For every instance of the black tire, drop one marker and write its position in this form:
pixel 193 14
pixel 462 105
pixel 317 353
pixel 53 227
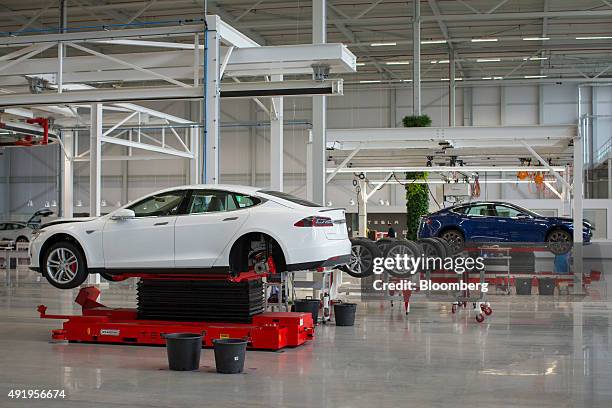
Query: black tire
pixel 455 240
pixel 434 247
pixel 447 248
pixel 22 239
pixel 59 267
pixel 363 252
pixel 559 241
pixel 384 243
pixel 402 247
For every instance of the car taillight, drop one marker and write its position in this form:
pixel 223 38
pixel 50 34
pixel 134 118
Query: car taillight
pixel 314 221
pixel 427 221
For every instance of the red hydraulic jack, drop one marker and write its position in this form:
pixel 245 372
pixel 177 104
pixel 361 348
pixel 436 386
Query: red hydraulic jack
pixel 101 324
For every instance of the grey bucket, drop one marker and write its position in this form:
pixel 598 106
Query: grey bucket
pixel 183 351
pixel 345 314
pixel 523 286
pixel 230 355
pixel 308 306
pixel 546 286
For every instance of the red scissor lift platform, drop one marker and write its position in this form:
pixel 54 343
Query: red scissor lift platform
pixel 101 324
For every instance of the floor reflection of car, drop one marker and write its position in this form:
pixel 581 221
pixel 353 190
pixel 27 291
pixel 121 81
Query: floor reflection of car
pixel 499 222
pixel 21 231
pixel 200 229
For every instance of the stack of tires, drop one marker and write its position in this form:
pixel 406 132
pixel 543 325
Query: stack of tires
pixel 364 251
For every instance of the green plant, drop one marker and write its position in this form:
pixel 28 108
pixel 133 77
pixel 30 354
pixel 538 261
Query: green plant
pixel 417 194
pixel 417 121
pixel 417 203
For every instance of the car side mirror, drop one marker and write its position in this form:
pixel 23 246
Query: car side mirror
pixel 522 216
pixel 123 214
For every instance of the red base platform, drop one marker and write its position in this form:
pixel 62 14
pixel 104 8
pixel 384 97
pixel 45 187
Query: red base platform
pixel 101 324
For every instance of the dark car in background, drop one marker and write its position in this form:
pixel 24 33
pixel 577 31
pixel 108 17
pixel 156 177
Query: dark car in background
pixel 499 222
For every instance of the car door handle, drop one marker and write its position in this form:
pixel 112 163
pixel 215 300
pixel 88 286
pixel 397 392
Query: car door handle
pixel 157 224
pixel 230 219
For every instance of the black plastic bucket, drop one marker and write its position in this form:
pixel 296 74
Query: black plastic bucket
pixel 184 351
pixel 229 355
pixel 546 286
pixel 523 286
pixel 345 314
pixel 308 306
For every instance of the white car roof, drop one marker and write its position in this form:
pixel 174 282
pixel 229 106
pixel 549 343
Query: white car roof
pixel 225 187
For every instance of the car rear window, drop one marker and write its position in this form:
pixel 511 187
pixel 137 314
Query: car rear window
pixel 289 197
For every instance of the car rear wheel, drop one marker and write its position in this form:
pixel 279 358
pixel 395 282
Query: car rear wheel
pixel 64 265
pixel 455 240
pixel 559 241
pixel 363 253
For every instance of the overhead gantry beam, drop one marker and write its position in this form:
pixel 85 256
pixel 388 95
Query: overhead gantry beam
pixel 228 90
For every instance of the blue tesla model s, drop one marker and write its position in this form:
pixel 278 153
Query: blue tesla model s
pixel 498 222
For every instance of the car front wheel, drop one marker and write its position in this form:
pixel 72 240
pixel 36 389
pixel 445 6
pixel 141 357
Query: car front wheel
pixel 64 265
pixel 559 241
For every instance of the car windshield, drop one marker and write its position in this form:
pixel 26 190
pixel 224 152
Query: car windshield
pixel 289 197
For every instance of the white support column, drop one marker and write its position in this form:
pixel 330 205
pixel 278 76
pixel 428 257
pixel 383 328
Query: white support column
pixel 276 141
pixel 452 99
pixel 541 104
pixel 416 58
pixel 577 210
pixel 609 179
pixel 212 107
pixel 565 194
pixel 194 164
pixel 309 182
pixel 502 105
pixel 67 184
pixel 319 110
pixel 468 111
pixel 95 169
pixel 362 203
pixel 95 160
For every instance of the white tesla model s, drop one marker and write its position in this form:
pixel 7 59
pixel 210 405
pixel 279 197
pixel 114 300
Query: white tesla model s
pixel 189 230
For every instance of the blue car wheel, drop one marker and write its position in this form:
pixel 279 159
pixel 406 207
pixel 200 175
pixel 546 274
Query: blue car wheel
pixel 559 241
pixel 455 240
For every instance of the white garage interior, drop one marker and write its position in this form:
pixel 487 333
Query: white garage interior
pixel 309 98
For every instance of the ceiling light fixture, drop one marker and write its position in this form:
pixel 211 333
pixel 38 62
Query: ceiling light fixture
pixel 596 37
pixel 474 40
pixel 534 76
pixel 383 44
pixel 498 77
pixel 433 42
pixel 486 78
pixel 443 61
pixel 370 81
pixel 536 38
pixel 488 60
pixel 398 62
pixel 534 58
pixel 360 64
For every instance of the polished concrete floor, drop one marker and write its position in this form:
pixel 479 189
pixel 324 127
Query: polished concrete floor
pixel 533 352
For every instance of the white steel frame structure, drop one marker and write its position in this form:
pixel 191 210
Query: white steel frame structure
pixel 186 62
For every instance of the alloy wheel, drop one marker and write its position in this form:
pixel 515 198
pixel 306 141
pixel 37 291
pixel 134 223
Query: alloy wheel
pixel 454 239
pixel 62 265
pixel 559 242
pixel 361 259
